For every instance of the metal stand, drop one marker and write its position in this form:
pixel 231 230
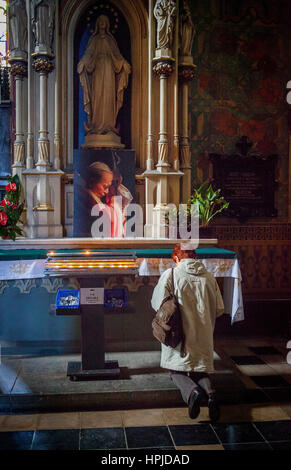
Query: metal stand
pixel 75 371
pixel 90 268
pixel 93 364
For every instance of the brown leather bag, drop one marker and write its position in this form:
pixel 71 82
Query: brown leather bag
pixel 167 323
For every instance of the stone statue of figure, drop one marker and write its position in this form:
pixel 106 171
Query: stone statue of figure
pixel 104 74
pixel 165 14
pixel 187 30
pixel 43 17
pixel 17 28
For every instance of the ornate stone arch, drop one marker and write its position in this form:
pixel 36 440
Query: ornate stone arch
pixel 137 18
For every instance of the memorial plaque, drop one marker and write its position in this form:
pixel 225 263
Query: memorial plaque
pixel 247 182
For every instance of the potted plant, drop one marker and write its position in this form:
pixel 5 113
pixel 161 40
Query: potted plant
pixel 210 204
pixel 11 209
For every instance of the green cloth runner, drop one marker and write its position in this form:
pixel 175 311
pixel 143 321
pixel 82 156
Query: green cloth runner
pixel 30 254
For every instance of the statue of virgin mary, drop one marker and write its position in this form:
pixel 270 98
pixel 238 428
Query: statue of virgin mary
pixel 104 76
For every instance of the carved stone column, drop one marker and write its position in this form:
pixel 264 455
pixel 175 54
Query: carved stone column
pixel 17 19
pixel 151 46
pixel 186 74
pixel 43 65
pixel 18 70
pixel 162 183
pixel 176 136
pixel 43 184
pixel 30 96
pixel 57 138
pixel 163 67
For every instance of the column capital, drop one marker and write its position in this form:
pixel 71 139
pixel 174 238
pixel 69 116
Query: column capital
pixel 186 72
pixel 163 67
pixel 18 68
pixel 42 63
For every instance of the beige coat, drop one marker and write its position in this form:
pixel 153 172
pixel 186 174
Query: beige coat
pixel 200 303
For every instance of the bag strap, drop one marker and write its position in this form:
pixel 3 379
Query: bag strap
pixel 173 291
pixel 182 351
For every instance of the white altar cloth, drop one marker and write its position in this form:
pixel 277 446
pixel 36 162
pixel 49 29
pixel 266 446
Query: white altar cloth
pixel 228 269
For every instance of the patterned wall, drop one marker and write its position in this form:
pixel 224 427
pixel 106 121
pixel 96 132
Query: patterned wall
pixel 265 257
pixel 242 53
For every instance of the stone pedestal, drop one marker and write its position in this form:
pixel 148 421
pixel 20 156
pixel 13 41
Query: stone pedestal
pixel 43 199
pixel 160 189
pixel 97 141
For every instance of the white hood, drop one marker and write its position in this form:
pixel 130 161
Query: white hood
pixel 192 266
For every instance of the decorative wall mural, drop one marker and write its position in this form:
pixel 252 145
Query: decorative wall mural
pixel 241 50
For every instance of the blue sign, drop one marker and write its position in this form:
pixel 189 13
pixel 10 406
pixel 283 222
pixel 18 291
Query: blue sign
pixel 115 298
pixel 68 299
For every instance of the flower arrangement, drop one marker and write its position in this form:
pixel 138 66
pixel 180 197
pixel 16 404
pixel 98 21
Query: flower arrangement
pixel 11 209
pixel 210 203
pixel 204 203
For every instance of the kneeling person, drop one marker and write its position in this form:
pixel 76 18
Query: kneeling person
pixel 200 304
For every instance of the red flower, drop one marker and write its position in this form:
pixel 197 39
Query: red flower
pixel 3 218
pixel 5 202
pixel 15 206
pixel 11 187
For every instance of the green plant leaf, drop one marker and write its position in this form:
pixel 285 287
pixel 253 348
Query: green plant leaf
pixel 210 202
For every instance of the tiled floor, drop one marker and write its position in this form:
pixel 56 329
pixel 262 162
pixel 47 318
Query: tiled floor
pixel 200 434
pixel 261 421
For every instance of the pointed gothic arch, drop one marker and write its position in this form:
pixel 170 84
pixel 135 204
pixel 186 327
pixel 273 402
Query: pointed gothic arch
pixel 137 18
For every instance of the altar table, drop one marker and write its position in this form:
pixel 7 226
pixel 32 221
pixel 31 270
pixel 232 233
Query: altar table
pixel 29 263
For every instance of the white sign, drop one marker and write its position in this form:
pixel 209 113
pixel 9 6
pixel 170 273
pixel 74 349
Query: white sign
pixel 92 296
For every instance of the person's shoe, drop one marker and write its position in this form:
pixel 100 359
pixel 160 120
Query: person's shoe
pixel 214 410
pixel 194 404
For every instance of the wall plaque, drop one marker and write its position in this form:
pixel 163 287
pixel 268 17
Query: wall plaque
pixel 247 182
